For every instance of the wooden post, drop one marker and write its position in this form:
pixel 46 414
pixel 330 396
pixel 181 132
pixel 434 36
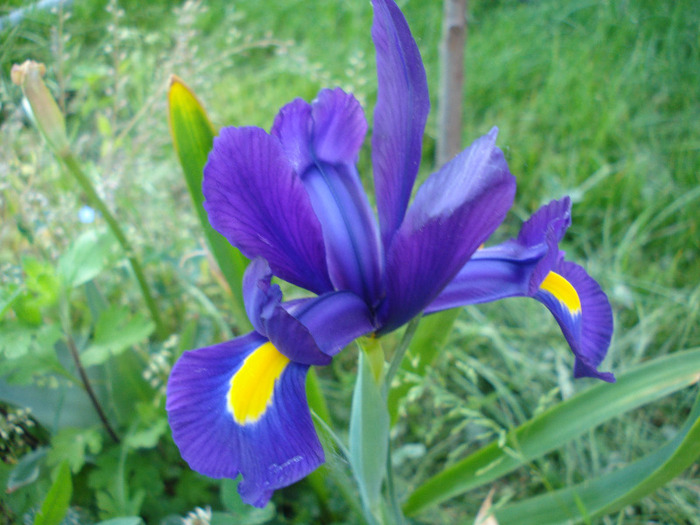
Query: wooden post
pixel 454 32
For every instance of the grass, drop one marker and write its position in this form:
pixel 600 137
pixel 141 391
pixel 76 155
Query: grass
pixel 595 99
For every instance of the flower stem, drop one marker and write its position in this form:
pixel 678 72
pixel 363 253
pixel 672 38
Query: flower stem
pixel 391 491
pixel 394 365
pixel 400 352
pixel 74 167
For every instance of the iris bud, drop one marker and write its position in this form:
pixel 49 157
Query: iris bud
pixel 45 111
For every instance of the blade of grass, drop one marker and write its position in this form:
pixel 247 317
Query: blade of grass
pixel 615 490
pixel 558 425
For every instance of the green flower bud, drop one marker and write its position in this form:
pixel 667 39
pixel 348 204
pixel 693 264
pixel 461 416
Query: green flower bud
pixel 46 113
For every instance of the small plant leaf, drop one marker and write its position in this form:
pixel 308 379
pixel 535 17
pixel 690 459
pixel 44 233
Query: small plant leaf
pixel 558 425
pixel 116 330
pixel 26 471
pixel 71 445
pixel 86 257
pixel 55 506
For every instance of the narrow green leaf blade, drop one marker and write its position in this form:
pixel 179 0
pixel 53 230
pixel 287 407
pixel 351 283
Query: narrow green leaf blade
pixel 369 435
pixel 26 471
pixel 429 339
pixel 615 490
pixel 55 506
pixel 317 403
pixel 193 137
pixel 560 424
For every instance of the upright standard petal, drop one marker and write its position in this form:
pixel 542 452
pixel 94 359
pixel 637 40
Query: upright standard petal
pixel 402 108
pixel 454 212
pixel 322 140
pixel 255 200
pixel 331 129
pixel 240 407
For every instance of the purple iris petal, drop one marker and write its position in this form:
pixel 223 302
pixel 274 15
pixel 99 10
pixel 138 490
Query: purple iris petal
pixel 399 116
pixel 259 204
pixel 322 140
pixel 269 317
pixel 330 129
pixel 519 267
pixel 275 451
pixel 589 333
pixel 260 297
pixel 491 274
pixel 453 213
pixel 335 319
pixel 547 225
pixel 339 126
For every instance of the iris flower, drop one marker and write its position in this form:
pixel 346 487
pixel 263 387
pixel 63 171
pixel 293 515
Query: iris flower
pixel 292 201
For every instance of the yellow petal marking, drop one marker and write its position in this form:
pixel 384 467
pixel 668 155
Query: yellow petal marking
pixel 253 385
pixel 562 290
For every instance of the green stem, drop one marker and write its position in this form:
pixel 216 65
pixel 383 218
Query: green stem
pixel 66 325
pixel 391 491
pixel 95 200
pixel 396 360
pixel 399 353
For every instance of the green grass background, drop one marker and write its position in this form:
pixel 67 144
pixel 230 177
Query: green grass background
pixel 596 99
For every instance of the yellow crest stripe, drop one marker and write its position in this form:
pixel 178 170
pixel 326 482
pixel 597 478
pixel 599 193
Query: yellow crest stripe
pixel 563 290
pixel 253 384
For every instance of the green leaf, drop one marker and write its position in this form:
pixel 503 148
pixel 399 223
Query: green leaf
pixel 87 257
pixel 55 406
pixel 239 512
pixel 558 425
pixel 193 137
pixel 41 280
pixel 147 437
pixel 369 435
pixel 26 471
pixel 134 392
pixel 317 403
pixel 16 340
pixel 28 351
pixel 9 293
pixel 615 490
pixel 55 506
pixel 71 445
pixel 130 520
pixel 116 330
pixel 41 290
